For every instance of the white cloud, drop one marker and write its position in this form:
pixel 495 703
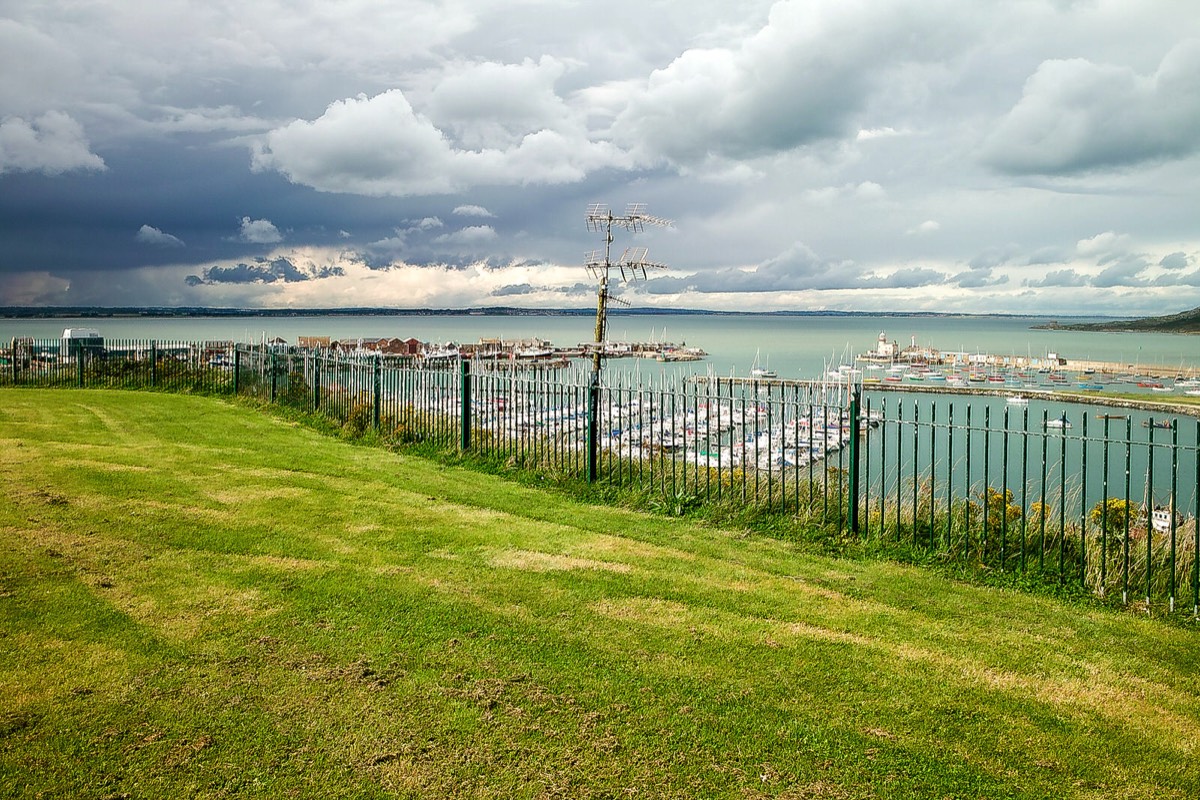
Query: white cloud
pixel 259 231
pixel 1103 244
pixel 867 191
pixel 148 234
pixel 381 146
pixel 870 191
pixel 473 235
pixel 926 227
pixel 867 134
pixel 490 105
pixel 473 211
pixel 53 143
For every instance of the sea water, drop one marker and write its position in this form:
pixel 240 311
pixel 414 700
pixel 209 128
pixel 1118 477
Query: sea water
pixel 792 346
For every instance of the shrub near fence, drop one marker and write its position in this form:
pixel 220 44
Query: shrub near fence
pixel 1112 506
pixel 1102 501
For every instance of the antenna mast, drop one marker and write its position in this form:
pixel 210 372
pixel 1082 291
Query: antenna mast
pixel 633 263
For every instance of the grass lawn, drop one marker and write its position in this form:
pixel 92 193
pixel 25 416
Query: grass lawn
pixel 200 600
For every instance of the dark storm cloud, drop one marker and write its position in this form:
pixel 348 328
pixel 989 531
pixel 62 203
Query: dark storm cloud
pixel 470 135
pixel 579 290
pixel 907 278
pixel 1076 116
pixel 1048 255
pixel 977 278
pixel 1123 271
pixel 804 78
pixel 796 269
pixel 1175 261
pixel 995 257
pixel 513 290
pixel 1178 279
pixel 668 285
pixel 262 271
pixel 1061 277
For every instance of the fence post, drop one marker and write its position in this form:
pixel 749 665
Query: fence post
pixel 593 404
pixel 13 353
pixel 237 368
pixel 274 376
pixel 464 440
pixel 376 398
pixel 153 363
pixel 855 400
pixel 79 351
pixel 317 361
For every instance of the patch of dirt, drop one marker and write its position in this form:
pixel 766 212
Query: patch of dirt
pixel 16 721
pixel 535 561
pixel 49 498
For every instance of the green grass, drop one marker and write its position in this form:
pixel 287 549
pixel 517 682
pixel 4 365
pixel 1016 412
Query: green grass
pixel 200 600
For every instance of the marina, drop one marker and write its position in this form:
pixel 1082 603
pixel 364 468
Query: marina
pixel 913 453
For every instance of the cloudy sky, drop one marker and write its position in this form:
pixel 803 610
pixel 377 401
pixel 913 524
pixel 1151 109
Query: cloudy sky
pixel 947 155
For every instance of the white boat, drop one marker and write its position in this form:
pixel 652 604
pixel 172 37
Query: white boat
pixel 533 351
pixel 1018 400
pixel 446 352
pixel 1059 422
pixel 762 372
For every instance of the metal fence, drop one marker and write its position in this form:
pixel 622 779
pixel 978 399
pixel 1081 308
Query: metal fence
pixel 119 364
pixel 1107 498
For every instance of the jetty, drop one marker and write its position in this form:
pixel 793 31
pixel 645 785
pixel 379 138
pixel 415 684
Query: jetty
pixel 889 353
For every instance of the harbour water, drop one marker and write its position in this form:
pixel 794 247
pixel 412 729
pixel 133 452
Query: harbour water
pixel 791 346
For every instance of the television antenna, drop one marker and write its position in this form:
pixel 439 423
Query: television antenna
pixel 633 264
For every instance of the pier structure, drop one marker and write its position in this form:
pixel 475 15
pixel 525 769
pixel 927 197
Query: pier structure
pixel 889 353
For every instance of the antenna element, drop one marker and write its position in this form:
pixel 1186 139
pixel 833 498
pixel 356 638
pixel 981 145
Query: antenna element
pixel 633 264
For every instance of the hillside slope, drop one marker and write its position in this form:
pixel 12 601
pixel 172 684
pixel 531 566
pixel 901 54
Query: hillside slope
pixel 1183 322
pixel 196 599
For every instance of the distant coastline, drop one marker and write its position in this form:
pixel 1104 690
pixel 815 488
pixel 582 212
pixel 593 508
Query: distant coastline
pixel 1187 322
pixel 155 312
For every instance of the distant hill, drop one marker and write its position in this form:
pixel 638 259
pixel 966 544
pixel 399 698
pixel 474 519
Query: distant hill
pixel 1183 322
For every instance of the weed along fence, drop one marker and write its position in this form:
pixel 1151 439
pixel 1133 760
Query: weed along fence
pixel 1103 498
pixel 1107 498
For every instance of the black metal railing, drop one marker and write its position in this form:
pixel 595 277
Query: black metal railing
pixel 1107 498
